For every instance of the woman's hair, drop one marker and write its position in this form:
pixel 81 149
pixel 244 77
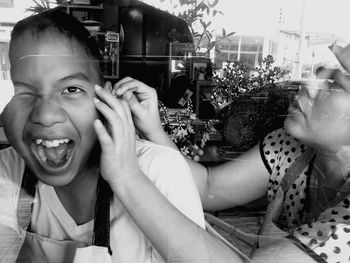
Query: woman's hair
pixel 56 21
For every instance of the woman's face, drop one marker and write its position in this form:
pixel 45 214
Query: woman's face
pixel 49 119
pixel 320 114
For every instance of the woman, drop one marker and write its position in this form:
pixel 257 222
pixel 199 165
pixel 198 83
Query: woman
pixel 312 150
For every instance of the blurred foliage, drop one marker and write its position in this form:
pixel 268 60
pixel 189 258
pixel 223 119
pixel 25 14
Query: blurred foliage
pixel 234 80
pixel 182 131
pixel 198 15
pixel 253 102
pixel 42 5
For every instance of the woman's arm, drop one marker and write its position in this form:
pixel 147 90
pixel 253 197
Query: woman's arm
pixel 174 236
pixel 227 185
pixel 236 182
pixel 282 251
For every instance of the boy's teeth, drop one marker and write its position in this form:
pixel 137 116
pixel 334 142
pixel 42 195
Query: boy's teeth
pixel 51 143
pixel 54 153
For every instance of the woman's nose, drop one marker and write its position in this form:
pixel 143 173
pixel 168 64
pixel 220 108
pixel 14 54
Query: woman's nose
pixel 310 89
pixel 47 112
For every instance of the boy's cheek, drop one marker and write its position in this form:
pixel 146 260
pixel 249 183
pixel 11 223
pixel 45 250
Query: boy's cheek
pixel 13 119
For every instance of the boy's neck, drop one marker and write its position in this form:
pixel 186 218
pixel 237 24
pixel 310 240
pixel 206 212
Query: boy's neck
pixel 79 197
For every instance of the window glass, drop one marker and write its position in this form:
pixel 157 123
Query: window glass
pixel 224 47
pixel 249 47
pixel 6 3
pixel 237 67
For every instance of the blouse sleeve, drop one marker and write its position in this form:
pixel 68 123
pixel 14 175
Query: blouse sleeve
pixel 271 146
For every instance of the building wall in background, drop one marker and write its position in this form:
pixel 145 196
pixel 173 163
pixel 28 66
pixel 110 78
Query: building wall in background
pixel 11 11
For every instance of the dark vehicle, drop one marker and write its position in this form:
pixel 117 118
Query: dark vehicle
pixel 251 117
pixel 145 35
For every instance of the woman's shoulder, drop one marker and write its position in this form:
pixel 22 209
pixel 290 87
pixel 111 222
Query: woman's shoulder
pixel 280 138
pixel 280 147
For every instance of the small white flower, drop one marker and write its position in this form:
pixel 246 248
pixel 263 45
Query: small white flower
pixel 190 128
pixel 182 133
pixel 184 150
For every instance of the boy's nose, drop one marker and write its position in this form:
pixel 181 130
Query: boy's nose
pixel 46 112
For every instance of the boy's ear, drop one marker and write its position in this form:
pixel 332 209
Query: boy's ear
pixel 108 86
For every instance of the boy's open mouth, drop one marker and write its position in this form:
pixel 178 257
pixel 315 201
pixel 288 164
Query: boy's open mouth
pixel 53 153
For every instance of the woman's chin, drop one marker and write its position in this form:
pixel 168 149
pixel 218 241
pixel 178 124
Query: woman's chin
pixel 289 125
pixel 293 128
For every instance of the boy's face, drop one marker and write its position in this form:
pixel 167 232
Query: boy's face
pixel 49 119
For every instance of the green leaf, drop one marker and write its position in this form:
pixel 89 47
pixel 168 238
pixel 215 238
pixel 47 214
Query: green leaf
pixel 223 32
pixel 214 3
pixel 37 3
pixel 230 34
pixel 211 45
pixel 204 25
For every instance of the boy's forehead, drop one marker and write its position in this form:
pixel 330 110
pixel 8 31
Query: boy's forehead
pixel 45 44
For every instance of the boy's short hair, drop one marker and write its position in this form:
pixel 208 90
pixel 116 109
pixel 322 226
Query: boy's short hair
pixel 62 23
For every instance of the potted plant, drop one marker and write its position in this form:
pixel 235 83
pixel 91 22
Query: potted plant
pixel 247 107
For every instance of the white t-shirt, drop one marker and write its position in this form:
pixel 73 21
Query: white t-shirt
pixel 165 167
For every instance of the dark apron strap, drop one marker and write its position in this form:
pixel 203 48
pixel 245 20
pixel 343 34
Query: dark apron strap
pixel 101 236
pixel 102 215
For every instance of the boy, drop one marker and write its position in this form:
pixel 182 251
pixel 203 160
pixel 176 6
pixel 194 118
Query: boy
pixel 51 124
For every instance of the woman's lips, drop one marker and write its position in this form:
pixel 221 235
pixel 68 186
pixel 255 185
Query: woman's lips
pixel 295 108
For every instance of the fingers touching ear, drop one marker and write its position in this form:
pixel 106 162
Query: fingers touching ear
pixel 108 86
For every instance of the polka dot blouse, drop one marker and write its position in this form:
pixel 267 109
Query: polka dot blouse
pixel 329 236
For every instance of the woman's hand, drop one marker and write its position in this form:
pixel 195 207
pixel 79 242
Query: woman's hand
pixel 143 103
pixel 117 138
pixel 342 54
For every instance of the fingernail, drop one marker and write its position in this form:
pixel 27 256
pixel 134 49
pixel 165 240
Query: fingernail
pixel 96 100
pixel 97 87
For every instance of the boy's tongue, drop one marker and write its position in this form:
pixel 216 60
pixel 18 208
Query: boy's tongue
pixel 56 155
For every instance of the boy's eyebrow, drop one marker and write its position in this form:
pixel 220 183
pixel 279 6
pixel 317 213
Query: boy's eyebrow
pixel 79 75
pixel 21 83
